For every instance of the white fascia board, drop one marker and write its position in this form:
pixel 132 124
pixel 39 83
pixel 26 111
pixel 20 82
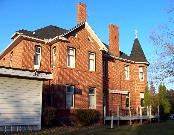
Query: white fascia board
pixel 37 39
pixel 142 63
pixel 95 37
pixel 28 74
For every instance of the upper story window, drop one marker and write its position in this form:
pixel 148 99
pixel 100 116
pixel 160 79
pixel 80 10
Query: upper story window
pixel 92 98
pixel 126 72
pixel 141 74
pixel 71 57
pixel 142 99
pixel 54 56
pixel 69 97
pixel 11 58
pixel 37 57
pixel 91 61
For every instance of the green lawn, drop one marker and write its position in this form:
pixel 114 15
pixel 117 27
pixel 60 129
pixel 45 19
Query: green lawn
pixel 166 128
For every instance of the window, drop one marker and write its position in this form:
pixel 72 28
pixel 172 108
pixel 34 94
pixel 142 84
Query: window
pixel 11 58
pixel 69 97
pixel 126 70
pixel 141 74
pixel 142 99
pixel 54 56
pixel 71 57
pixel 37 56
pixel 127 101
pixel 91 61
pixel 92 98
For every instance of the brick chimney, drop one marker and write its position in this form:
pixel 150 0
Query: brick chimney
pixel 114 40
pixel 81 12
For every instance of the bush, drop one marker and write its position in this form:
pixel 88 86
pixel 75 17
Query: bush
pixel 86 117
pixel 49 116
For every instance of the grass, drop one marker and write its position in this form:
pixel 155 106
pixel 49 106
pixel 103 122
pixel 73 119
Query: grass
pixel 165 128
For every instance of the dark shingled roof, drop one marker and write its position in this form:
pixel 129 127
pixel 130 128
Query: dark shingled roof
pixel 45 32
pixel 137 53
pixel 122 54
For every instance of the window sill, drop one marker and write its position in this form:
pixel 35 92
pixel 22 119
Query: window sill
pixel 70 67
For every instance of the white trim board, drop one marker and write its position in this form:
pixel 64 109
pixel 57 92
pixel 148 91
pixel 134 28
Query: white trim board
pixel 28 74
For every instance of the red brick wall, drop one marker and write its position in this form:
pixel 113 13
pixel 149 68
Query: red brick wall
pixel 23 56
pixel 17 56
pixel 79 76
pixel 116 81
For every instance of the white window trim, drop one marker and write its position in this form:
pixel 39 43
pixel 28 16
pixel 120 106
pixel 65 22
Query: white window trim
pixel 73 100
pixel 54 56
pixel 141 71
pixel 39 62
pixel 74 64
pixel 94 66
pixel 94 97
pixel 127 77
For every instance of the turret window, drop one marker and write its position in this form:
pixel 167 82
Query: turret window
pixel 141 74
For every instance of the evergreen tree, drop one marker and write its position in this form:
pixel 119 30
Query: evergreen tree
pixel 153 98
pixel 146 97
pixel 163 102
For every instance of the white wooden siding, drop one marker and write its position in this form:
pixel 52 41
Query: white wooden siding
pixel 20 101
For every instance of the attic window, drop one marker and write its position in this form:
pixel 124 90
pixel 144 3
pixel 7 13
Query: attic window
pixel 76 35
pixel 89 38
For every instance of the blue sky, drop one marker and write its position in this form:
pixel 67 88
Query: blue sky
pixel 143 15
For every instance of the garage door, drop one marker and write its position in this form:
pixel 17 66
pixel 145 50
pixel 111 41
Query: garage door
pixel 20 104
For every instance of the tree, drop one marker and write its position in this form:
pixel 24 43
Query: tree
pixel 146 97
pixel 163 102
pixel 163 39
pixel 170 96
pixel 153 98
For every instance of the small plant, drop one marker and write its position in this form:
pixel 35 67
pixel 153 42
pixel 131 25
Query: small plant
pixel 49 116
pixel 86 117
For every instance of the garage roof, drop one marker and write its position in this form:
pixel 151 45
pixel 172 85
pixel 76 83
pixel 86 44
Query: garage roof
pixel 23 73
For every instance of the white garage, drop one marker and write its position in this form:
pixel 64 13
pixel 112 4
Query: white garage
pixel 21 99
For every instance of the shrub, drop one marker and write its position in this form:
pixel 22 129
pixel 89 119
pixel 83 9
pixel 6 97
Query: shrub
pixel 49 116
pixel 86 117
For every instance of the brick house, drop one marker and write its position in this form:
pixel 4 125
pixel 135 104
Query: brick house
pixel 86 72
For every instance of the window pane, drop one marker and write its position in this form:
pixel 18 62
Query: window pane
pixel 70 97
pixel 69 101
pixel 92 61
pixel 92 98
pixel 92 101
pixel 37 57
pixel 92 91
pixel 71 57
pixel 37 49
